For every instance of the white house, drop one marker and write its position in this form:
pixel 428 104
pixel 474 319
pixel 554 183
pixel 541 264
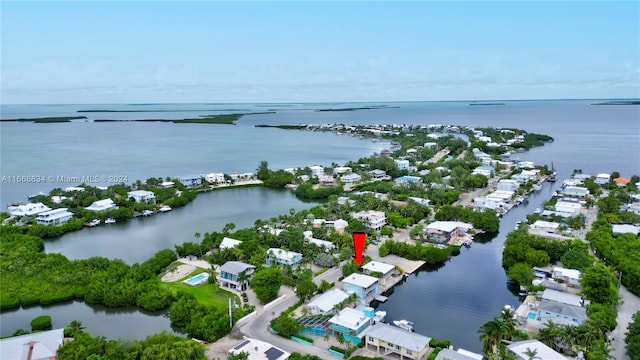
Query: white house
pixel 283 257
pixel 447 354
pixel 569 276
pixel 339 225
pixel 142 196
pixel 231 273
pixel 228 243
pixel 372 219
pixel 190 180
pixel 259 350
pixel 54 217
pixel 167 184
pixel 402 164
pixel 351 179
pixel 603 178
pixel 377 174
pixel 58 199
pixel 575 191
pixel 379 267
pixel 361 285
pixel 421 201
pixel 326 245
pixel 102 206
pixel 342 170
pixel 351 323
pixel 548 226
pixel 521 350
pixel 316 170
pixel 572 207
pixel 508 185
pixel 27 209
pixel 215 178
pixel 386 340
pixel 36 346
pixel 526 165
pixel 443 231
pixel 625 228
pixel 326 303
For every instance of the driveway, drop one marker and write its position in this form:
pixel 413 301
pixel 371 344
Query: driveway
pixel 630 305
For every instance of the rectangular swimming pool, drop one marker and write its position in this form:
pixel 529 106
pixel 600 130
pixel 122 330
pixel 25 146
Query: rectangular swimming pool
pixel 197 280
pixel 532 315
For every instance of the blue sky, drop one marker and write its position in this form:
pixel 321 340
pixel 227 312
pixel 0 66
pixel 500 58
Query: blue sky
pixel 155 51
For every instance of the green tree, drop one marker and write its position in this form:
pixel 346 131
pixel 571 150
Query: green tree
pixel 632 337
pixel 266 283
pixel 305 290
pixel 522 273
pixel 262 172
pixel 599 285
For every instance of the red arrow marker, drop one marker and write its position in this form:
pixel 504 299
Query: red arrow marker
pixel 358 245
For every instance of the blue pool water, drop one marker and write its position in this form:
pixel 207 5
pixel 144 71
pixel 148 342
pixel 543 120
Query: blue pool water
pixel 196 279
pixel 532 315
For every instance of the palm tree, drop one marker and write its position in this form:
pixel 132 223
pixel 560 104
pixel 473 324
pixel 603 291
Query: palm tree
pixel 242 280
pixel 549 334
pixel 75 327
pixel 508 317
pixel 531 354
pixel 491 333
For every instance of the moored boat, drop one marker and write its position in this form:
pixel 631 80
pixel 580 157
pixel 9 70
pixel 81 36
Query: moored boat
pixel 165 208
pixel 109 221
pixel 403 324
pixel 379 316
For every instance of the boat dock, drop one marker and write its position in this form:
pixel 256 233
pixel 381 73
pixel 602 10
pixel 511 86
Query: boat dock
pixel 380 298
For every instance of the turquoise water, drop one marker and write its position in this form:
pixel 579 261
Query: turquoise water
pixel 196 279
pixel 532 315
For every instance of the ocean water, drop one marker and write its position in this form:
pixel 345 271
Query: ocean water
pixel 455 299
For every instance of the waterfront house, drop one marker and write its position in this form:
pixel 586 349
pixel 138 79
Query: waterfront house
pixel 522 349
pixel 406 180
pixel 350 179
pixel 603 178
pixel 361 285
pixel 57 199
pixel 235 274
pixel 508 185
pixel 142 196
pixel 190 180
pixel 283 257
pixel 621 182
pixel 444 231
pixel 402 164
pixel 372 219
pixel 568 276
pixel 561 308
pixel 385 270
pixel 625 228
pixel 572 207
pixel 259 350
pixel 42 345
pixel 575 191
pixel 54 217
pixel 73 188
pixel 326 180
pixel 102 206
pixel 215 178
pixel 228 243
pixel 385 339
pixel 377 174
pixel 526 165
pixel 545 226
pixel 27 209
pixel 325 245
pixel 350 323
pixel 167 184
pixel 316 171
pixel 327 302
pixel 448 354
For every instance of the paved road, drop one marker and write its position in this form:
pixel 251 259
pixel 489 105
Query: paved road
pixel 630 305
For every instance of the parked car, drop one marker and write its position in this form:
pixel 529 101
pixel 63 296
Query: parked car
pixel 245 298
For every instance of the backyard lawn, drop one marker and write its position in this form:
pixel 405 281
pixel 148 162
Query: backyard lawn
pixel 207 294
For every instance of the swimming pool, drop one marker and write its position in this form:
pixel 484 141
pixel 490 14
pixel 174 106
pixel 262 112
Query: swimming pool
pixel 532 315
pixel 197 280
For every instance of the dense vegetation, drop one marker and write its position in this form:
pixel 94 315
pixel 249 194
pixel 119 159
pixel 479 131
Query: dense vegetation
pixel 632 337
pixel 45 120
pixel 428 254
pixel 485 220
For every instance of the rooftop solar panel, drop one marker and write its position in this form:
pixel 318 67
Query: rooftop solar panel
pixel 273 353
pixel 239 346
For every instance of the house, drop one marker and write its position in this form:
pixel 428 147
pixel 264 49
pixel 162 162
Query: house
pixel 57 199
pixel 259 350
pixel 215 178
pixel 361 285
pixel 523 349
pixel 190 180
pixel 621 182
pixel 526 165
pixel 351 323
pixel 351 179
pixel 282 257
pixel 484 170
pixel 27 209
pixel 625 228
pixel 235 274
pixel 430 145
pixel 402 164
pixel 142 196
pixel 316 170
pixel 568 276
pixel 603 178
pixel 102 206
pixel 37 346
pixel 73 188
pixel 508 185
pixel 385 270
pixel 342 170
pixel 54 217
pixel 447 354
pixel 228 243
pixel 406 180
pixel 167 184
pixel 421 201
pixel 572 207
pixel 569 299
pixel 326 180
pixel 326 303
pixel 372 219
pixel 575 191
pixel 326 245
pixel 561 313
pixel 444 231
pixel 339 225
pixel 386 339
pixel 377 174
pixel 547 226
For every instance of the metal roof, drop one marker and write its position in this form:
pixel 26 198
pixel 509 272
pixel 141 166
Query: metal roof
pixel 235 267
pixel 397 336
pixel 327 301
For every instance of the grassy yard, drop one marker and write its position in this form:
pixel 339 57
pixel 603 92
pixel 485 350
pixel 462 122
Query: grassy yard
pixel 207 294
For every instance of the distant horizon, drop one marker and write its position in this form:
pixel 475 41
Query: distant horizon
pixel 321 102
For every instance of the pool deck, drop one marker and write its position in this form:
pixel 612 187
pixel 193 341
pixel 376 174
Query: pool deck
pixel 179 273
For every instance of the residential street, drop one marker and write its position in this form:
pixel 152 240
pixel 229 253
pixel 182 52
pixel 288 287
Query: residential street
pixel 630 305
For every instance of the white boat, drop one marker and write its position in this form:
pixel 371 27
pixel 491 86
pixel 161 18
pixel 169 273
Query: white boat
pixel 403 324
pixel 379 316
pixel 92 223
pixel 109 221
pixel 165 208
pixel 537 187
pixel 147 213
pixel 537 211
